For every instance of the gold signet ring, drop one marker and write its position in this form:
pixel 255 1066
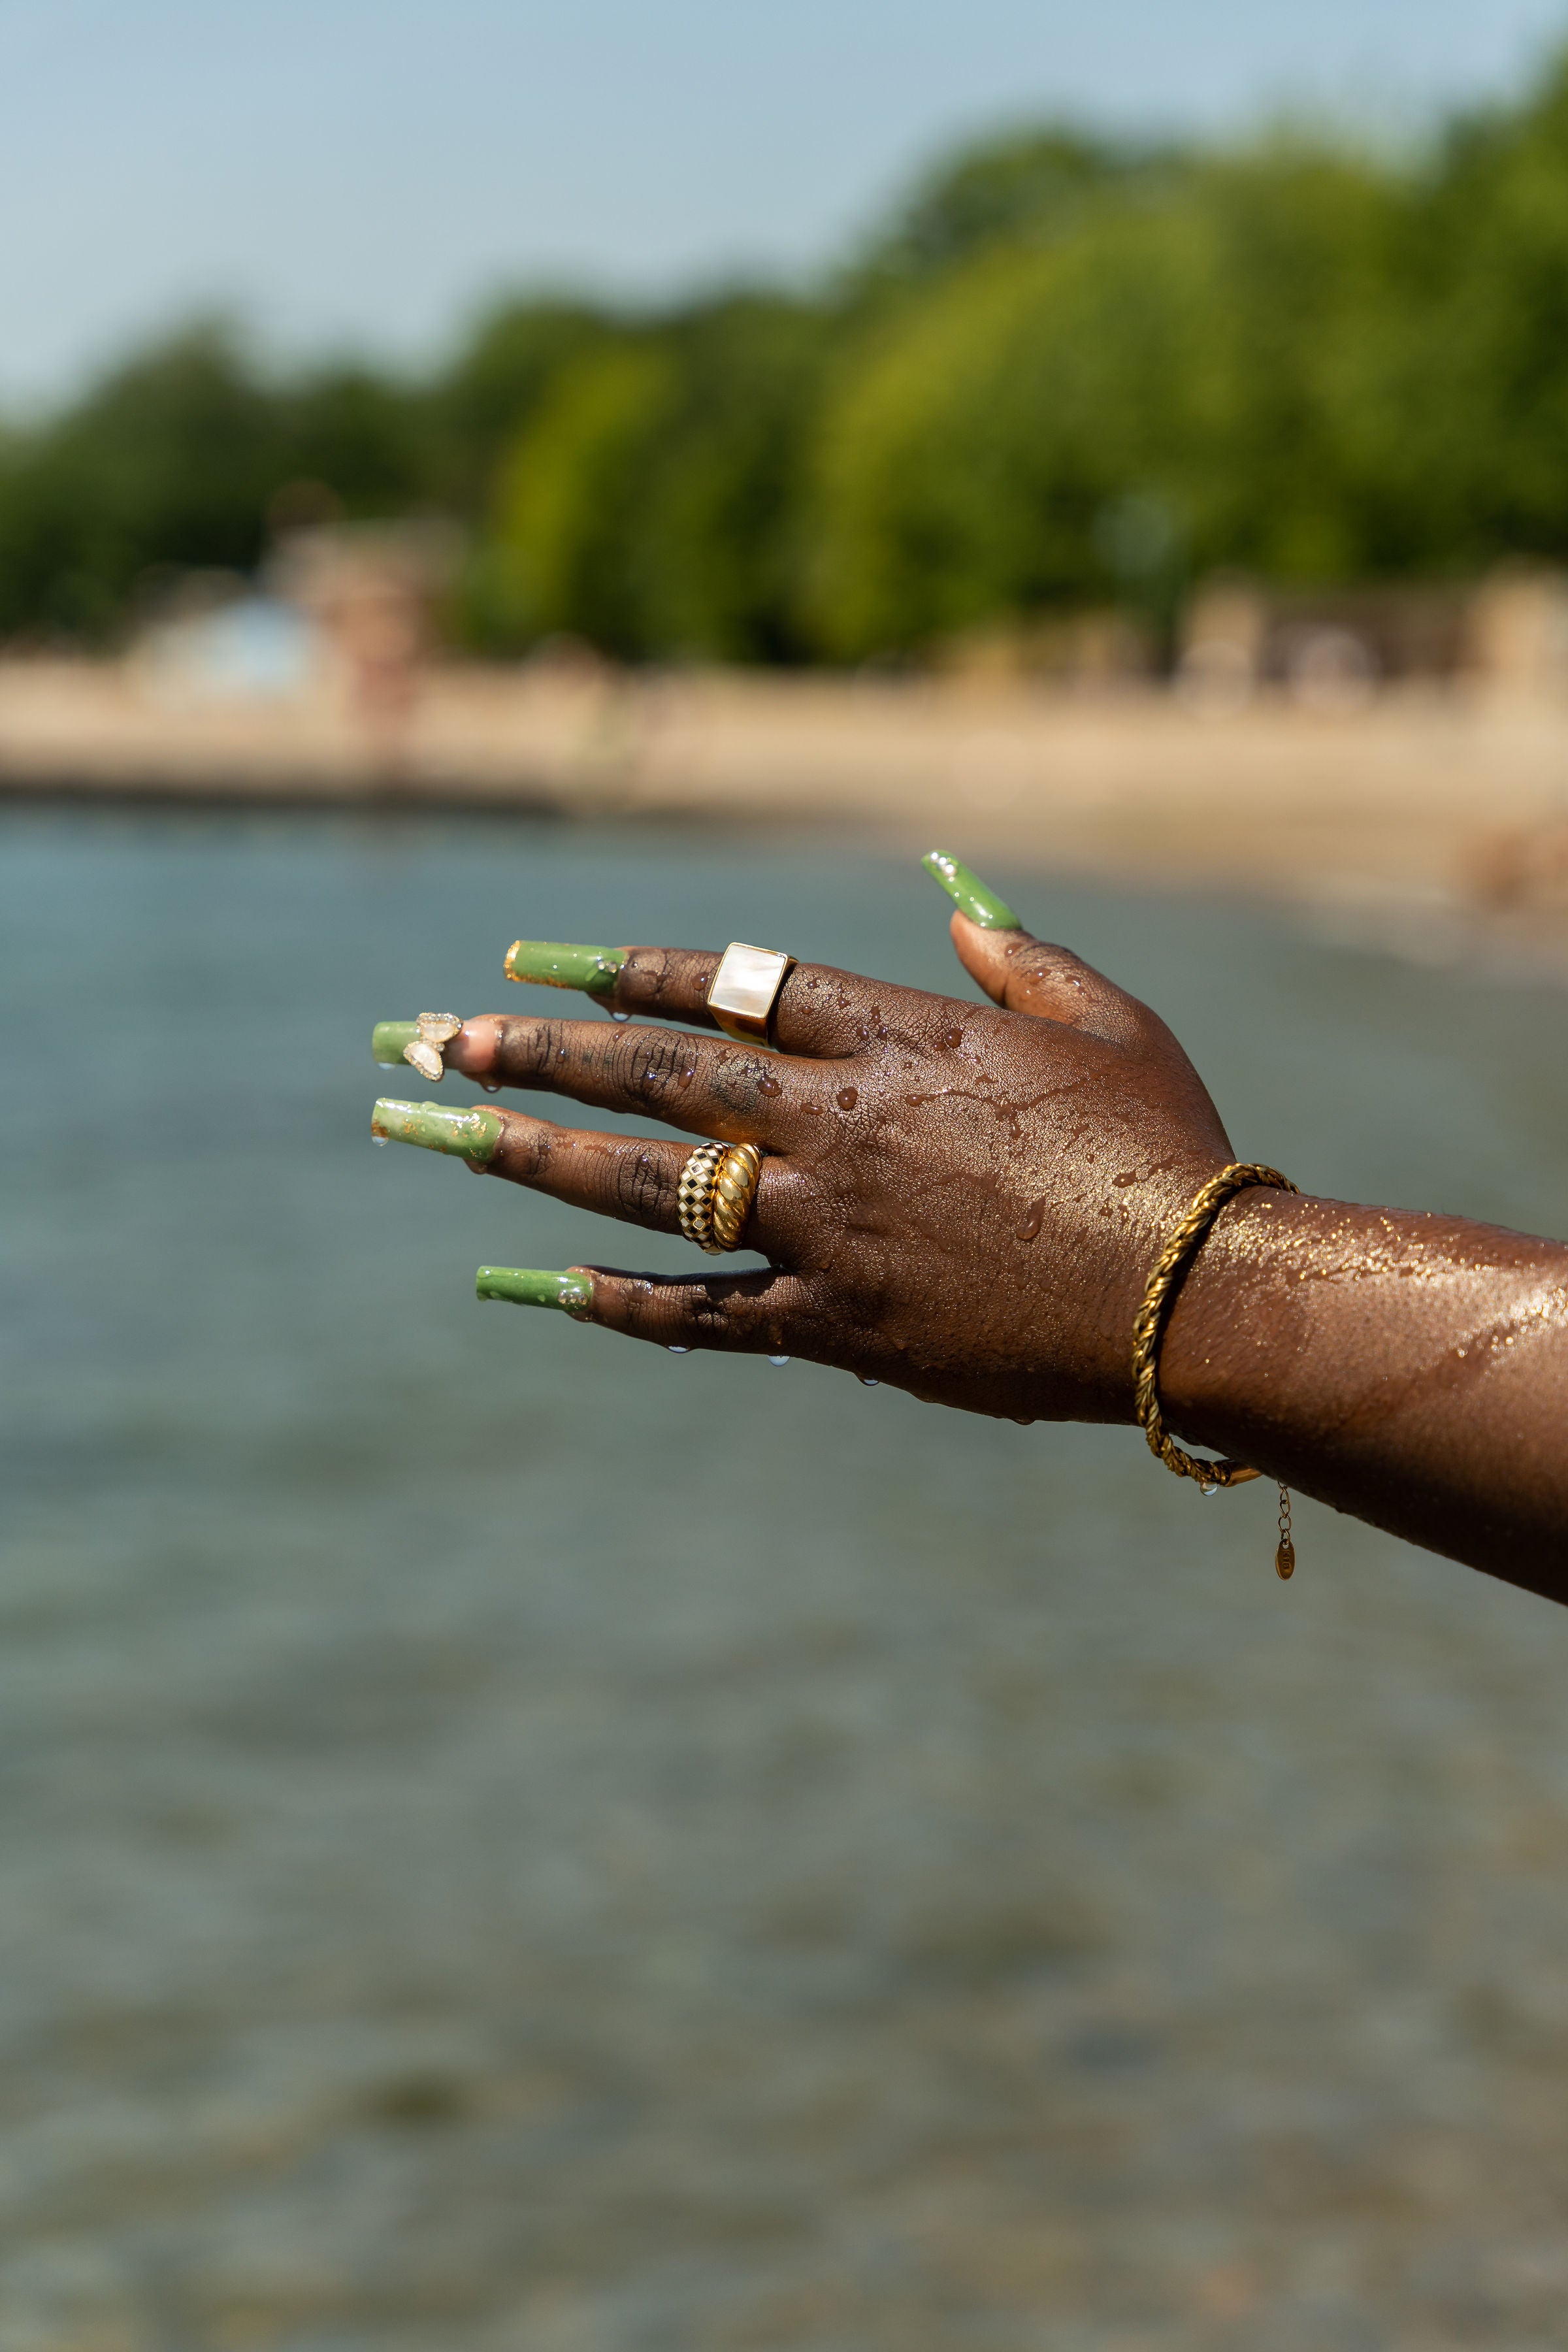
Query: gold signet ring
pixel 744 988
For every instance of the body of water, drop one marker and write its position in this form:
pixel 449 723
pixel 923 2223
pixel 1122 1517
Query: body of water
pixel 513 1842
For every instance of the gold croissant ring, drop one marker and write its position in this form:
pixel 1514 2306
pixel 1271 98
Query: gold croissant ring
pixel 734 1189
pixel 718 1185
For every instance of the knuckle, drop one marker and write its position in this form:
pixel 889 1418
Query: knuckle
pixel 645 977
pixel 726 1318
pixel 1037 959
pixel 529 1049
pixel 747 1314
pixel 721 1313
pixel 656 979
pixel 709 1314
pixel 643 1188
pixel 525 1148
pixel 645 1064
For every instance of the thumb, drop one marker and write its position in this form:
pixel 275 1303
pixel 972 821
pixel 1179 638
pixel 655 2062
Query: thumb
pixel 1026 974
pixel 983 953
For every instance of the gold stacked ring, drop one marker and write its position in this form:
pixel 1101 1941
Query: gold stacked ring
pixel 694 1196
pixel 734 1189
pixel 718 1185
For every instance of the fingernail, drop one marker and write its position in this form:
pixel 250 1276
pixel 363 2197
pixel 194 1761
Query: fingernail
pixel 388 1038
pixel 554 965
pixel 469 1134
pixel 531 1285
pixel 419 1043
pixel 968 894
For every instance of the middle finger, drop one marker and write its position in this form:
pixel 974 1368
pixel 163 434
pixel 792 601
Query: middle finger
pixel 709 1086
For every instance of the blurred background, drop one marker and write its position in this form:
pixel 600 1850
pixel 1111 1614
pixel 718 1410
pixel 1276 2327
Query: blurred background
pixel 515 1841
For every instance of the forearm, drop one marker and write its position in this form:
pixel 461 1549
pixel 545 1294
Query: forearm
pixel 1411 1369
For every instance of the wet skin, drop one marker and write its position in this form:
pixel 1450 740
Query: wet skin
pixel 965 1200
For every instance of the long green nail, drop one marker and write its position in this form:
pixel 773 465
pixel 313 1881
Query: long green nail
pixel 531 1285
pixel 469 1134
pixel 418 1043
pixel 554 965
pixel 968 894
pixel 388 1038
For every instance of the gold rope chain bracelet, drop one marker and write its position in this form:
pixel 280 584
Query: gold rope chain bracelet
pixel 1164 1282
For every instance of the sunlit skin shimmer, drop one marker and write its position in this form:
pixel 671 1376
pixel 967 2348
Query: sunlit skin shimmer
pixel 965 1200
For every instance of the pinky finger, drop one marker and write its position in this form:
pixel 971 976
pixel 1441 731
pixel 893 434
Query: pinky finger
pixel 761 1314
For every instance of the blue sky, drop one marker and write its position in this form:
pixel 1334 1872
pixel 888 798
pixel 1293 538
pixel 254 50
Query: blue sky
pixel 361 174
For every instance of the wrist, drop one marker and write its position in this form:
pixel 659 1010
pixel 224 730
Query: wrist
pixel 1237 1337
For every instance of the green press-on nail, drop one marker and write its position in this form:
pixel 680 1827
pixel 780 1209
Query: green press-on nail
pixel 553 964
pixel 469 1134
pixel 388 1038
pixel 968 894
pixel 531 1285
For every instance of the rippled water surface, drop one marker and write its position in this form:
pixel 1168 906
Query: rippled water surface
pixel 509 1839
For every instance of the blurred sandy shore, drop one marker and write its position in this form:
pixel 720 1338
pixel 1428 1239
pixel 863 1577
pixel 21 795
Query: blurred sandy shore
pixel 1415 799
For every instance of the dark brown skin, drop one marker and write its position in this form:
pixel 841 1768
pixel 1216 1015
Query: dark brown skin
pixel 966 1201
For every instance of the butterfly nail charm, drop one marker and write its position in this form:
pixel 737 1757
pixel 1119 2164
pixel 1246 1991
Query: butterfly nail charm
pixel 425 1051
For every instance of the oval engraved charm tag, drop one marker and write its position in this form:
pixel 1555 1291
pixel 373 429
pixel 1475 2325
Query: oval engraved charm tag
pixel 1285 1559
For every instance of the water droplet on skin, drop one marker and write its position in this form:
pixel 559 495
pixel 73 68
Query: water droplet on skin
pixel 950 1038
pixel 868 1383
pixel 619 1016
pixel 778 1360
pixel 1033 1218
pixel 679 1351
pixel 491 1085
pixel 1023 1421
pixel 769 1087
pixel 684 1078
pixel 846 1098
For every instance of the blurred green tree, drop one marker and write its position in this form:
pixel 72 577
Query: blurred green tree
pixel 1022 187
pixel 172 459
pixel 1070 371
pixel 1187 350
pixel 497 378
pixel 648 503
pixel 1485 356
pixel 367 439
pixel 175 460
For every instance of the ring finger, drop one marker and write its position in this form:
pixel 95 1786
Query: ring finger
pixel 634 1178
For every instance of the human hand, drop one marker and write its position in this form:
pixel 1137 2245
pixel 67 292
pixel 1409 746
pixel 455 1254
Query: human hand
pixel 963 1200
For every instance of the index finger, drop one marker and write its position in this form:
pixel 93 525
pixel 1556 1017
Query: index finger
pixel 819 1011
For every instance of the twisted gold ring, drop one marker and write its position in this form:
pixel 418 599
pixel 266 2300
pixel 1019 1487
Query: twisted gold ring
pixel 718 1185
pixel 734 1189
